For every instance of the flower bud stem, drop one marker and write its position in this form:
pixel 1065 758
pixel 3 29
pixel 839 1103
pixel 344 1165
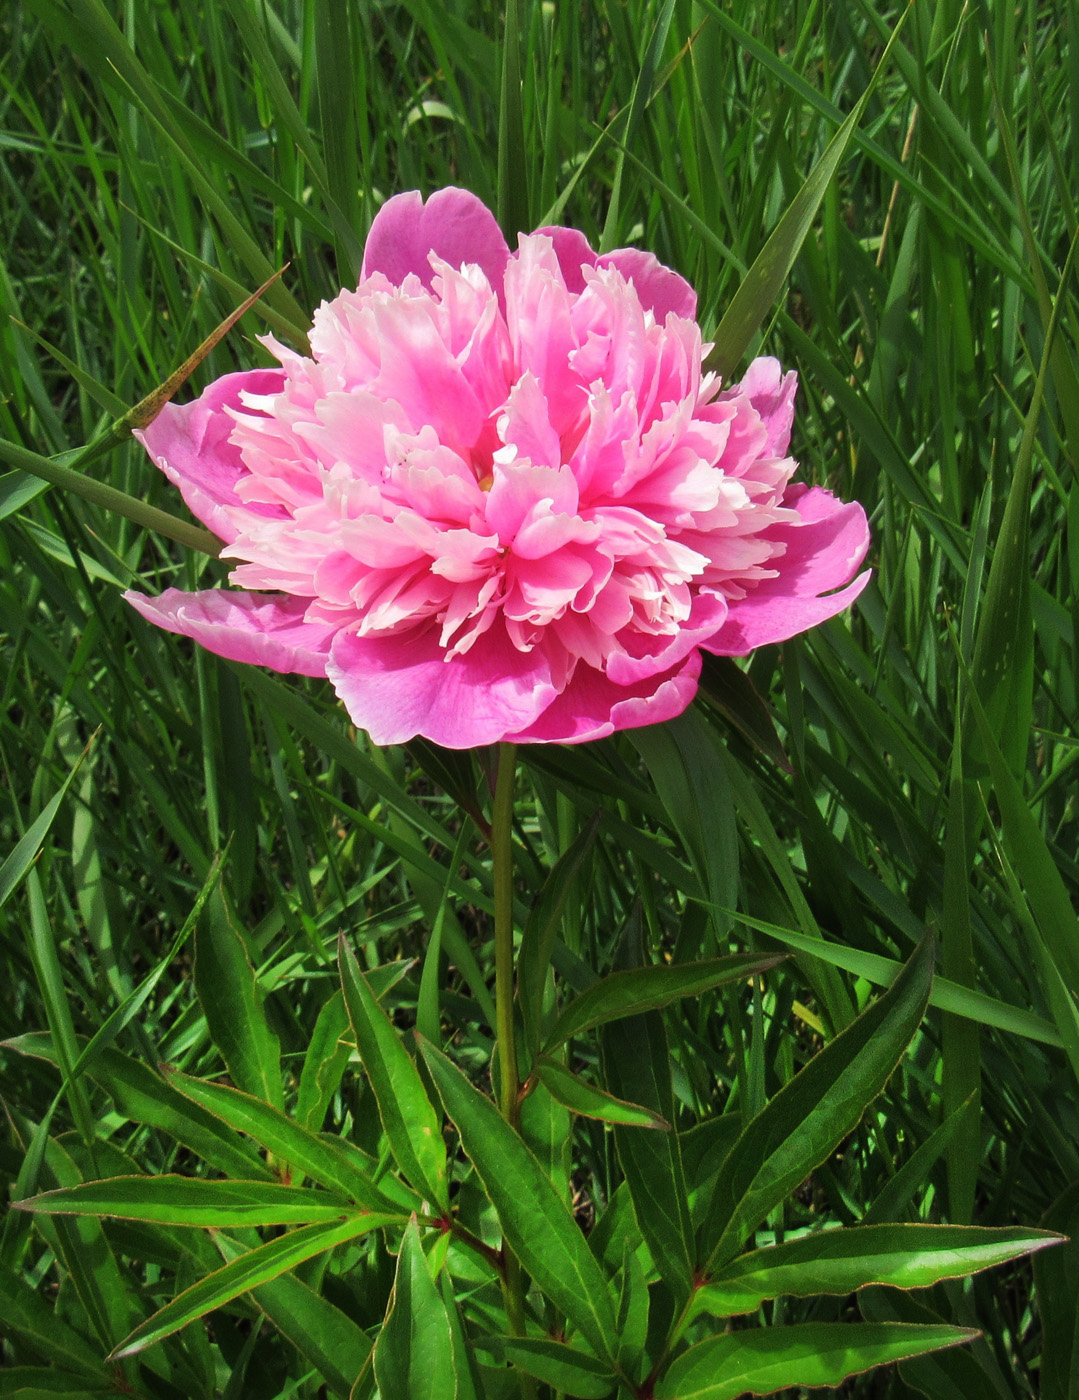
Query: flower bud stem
pixel 508 1081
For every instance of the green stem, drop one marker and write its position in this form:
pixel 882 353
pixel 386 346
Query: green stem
pixel 502 860
pixel 508 1082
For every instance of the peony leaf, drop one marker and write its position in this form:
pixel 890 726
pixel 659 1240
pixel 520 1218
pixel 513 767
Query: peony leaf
pixel 414 1357
pixel 636 990
pixel 767 1359
pixel 227 987
pixel 637 1066
pixel 283 1138
pixel 183 1200
pixel 587 1099
pixel 406 1112
pixel 319 1331
pixel 562 1367
pixel 536 1221
pixel 246 1272
pixel 512 161
pixel 844 1260
pixel 804 1123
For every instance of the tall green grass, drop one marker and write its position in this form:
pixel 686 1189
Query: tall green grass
pixel 157 164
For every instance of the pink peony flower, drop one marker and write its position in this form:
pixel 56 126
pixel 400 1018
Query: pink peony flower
pixel 501 500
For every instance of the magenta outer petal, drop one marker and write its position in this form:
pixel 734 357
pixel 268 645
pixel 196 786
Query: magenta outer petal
pixel 398 687
pixel 266 629
pixel 659 289
pixel 573 252
pixel 189 442
pixel 453 223
pixel 591 707
pixel 822 553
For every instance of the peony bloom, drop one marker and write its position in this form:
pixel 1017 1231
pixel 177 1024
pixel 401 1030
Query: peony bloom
pixel 501 500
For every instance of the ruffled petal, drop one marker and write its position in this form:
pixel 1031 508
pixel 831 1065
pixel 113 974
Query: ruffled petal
pixel 659 288
pixel 190 443
pixel 592 707
pixel 453 223
pixel 823 550
pixel 402 686
pixel 264 629
pixel 771 392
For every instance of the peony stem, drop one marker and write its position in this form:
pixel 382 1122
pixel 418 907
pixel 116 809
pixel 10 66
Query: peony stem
pixel 502 860
pixel 508 1082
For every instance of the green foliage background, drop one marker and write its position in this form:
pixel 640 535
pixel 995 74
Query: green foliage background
pixel 157 163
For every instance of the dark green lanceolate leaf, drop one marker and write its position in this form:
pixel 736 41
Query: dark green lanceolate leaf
pixel 541 928
pixel 332 1342
pixel 406 1112
pixel 768 1359
pixel 46 1382
pixel 841 1261
pixel 414 1357
pixel 580 1097
pixel 325 1062
pixel 809 1117
pixel 1055 1275
pixel 637 1066
pixel 181 1200
pixel 249 1271
pixel 640 989
pixel 25 1315
pixel 228 989
pixel 562 1367
pixel 143 1097
pixel 283 1138
pixel 728 687
pixel 761 285
pixel 535 1220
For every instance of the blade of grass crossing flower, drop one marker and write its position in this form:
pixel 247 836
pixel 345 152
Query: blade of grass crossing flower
pixel 227 987
pixel 812 1354
pixel 414 1357
pixel 536 1222
pixel 407 1116
pixel 247 1272
pixel 841 1261
pixel 762 284
pixel 57 473
pixel 803 1124
pixel 512 158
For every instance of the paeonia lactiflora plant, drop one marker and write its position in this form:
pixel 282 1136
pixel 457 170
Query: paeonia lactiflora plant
pixel 502 502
